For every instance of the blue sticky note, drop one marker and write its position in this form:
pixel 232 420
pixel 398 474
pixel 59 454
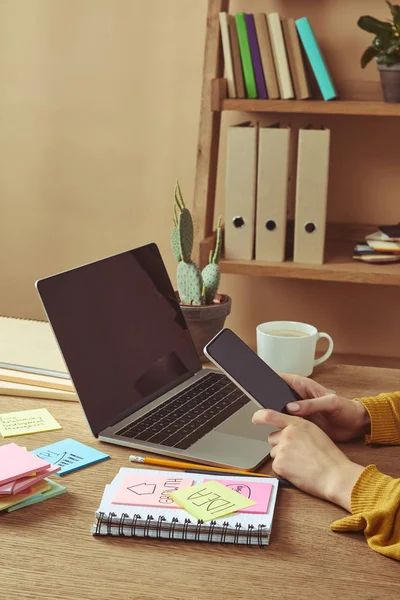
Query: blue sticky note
pixel 70 455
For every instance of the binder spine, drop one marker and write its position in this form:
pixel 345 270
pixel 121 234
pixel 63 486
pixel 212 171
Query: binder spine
pixel 110 521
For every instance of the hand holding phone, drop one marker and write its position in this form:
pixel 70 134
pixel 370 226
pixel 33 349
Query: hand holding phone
pixel 250 373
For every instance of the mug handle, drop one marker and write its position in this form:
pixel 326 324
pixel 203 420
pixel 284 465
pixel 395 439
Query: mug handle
pixel 327 354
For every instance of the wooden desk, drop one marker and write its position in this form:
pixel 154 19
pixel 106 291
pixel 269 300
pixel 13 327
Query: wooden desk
pixel 47 550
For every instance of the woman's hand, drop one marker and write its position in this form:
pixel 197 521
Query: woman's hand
pixel 340 418
pixel 304 455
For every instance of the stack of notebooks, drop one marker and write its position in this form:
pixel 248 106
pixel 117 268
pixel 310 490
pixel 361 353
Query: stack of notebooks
pixel 137 504
pixel 382 246
pixel 269 58
pixel 24 478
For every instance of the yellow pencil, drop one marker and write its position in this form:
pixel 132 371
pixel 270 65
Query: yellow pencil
pixel 178 464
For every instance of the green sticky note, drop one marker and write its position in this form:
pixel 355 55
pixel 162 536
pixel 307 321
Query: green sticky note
pixel 210 500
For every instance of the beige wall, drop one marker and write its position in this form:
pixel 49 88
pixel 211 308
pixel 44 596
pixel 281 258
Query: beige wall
pixel 99 106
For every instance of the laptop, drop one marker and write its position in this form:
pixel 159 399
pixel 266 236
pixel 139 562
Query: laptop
pixel 135 368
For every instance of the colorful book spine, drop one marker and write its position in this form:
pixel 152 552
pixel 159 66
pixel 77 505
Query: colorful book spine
pixel 264 43
pixel 236 60
pixel 256 57
pixel 280 56
pixel 226 49
pixel 316 59
pixel 245 55
pixel 297 70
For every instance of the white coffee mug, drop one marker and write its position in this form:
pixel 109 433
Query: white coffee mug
pixel 289 346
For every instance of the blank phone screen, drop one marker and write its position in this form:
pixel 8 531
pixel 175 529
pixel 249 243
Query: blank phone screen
pixel 247 369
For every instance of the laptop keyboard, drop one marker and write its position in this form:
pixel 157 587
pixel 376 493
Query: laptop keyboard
pixel 188 416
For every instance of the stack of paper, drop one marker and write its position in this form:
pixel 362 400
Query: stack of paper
pixel 23 478
pixel 382 246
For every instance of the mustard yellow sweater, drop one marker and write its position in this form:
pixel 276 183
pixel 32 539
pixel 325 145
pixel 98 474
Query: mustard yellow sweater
pixel 375 498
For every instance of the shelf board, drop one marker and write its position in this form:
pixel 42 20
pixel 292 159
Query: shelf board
pixel 338 266
pixel 319 107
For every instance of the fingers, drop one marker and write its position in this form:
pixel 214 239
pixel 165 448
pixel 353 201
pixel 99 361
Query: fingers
pixel 274 438
pixel 327 404
pixel 272 417
pixel 305 387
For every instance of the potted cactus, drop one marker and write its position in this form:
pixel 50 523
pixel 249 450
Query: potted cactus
pixel 385 48
pixel 204 309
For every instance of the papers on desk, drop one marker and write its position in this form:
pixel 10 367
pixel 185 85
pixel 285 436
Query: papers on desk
pixel 23 422
pixel 23 478
pixel 143 503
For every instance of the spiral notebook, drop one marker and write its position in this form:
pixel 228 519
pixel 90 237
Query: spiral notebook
pixel 147 519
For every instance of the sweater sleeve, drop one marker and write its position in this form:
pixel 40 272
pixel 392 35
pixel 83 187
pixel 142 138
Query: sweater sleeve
pixel 375 508
pixel 384 412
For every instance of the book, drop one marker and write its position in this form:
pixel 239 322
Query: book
pixel 296 64
pixel 236 60
pixel 384 246
pixel 316 59
pixel 158 520
pixel 245 55
pixel 255 57
pixel 280 56
pixel 70 455
pixel 36 379
pixel 30 345
pixel 227 52
pixel 8 388
pixel 267 60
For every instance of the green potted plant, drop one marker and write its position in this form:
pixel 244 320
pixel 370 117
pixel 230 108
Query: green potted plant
pixel 204 309
pixel 385 48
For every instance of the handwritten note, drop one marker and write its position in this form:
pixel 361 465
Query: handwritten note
pixel 210 500
pixel 70 455
pixel 150 490
pixel 258 491
pixel 27 421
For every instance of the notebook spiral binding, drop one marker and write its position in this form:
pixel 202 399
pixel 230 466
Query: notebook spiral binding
pixel 110 520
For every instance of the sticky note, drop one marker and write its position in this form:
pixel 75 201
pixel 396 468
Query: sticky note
pixel 258 491
pixel 150 490
pixel 27 421
pixel 16 462
pixel 210 500
pixel 7 501
pixel 22 485
pixel 70 455
pixel 55 489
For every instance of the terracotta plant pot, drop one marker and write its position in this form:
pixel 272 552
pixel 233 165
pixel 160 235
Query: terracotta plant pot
pixel 205 321
pixel 390 81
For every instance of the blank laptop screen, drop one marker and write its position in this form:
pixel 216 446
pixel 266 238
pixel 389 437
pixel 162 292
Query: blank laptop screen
pixel 121 332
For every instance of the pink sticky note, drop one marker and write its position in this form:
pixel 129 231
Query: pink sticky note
pixel 16 462
pixel 258 491
pixel 20 485
pixel 150 490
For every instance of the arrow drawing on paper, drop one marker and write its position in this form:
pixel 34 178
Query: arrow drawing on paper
pixel 142 489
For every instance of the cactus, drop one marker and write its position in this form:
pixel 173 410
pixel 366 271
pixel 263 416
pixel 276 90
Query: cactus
pixel 195 287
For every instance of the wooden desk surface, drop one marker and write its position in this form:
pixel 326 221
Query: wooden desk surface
pixel 47 550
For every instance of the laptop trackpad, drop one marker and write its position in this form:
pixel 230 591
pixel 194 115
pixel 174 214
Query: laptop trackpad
pixel 240 424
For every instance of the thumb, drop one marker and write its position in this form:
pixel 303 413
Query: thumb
pixel 273 417
pixel 304 408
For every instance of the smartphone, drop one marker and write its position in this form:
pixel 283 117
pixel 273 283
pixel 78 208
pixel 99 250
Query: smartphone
pixel 250 373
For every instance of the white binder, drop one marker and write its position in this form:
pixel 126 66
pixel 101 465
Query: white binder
pixel 241 173
pixel 272 190
pixel 311 195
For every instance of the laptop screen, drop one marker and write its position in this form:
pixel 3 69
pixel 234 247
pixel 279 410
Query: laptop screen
pixel 121 332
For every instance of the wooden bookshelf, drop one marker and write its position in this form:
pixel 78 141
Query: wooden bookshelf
pixel 338 266
pixel 315 107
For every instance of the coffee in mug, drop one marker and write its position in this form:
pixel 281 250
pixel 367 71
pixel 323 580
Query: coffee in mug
pixel 289 346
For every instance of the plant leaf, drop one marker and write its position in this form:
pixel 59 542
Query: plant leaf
pixel 373 25
pixel 395 10
pixel 368 55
